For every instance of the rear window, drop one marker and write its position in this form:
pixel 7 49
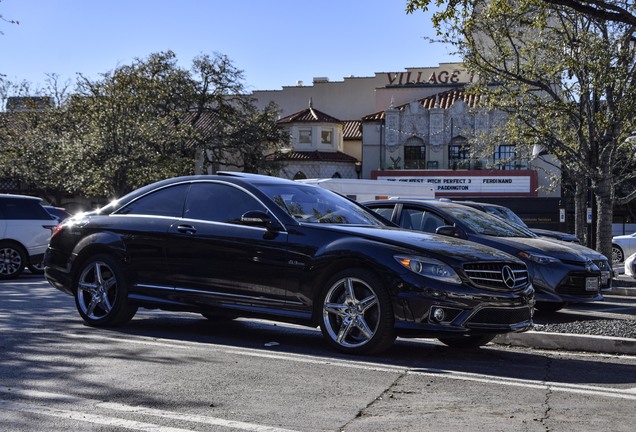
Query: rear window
pixel 22 209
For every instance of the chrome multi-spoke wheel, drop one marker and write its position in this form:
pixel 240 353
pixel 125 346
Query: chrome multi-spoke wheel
pixel 617 255
pixel 101 292
pixel 356 313
pixel 12 261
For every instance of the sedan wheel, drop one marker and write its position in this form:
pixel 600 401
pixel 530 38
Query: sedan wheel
pixel 357 317
pixel 12 261
pixel 617 254
pixel 101 293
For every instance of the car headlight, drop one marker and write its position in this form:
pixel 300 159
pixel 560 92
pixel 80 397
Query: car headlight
pixel 429 267
pixel 539 259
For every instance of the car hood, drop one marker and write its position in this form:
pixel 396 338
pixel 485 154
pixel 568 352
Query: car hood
pixel 623 237
pixel 555 234
pixel 554 248
pixel 583 250
pixel 442 246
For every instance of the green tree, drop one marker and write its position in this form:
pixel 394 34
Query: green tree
pixel 566 80
pixel 137 124
pixel 605 10
pixel 33 147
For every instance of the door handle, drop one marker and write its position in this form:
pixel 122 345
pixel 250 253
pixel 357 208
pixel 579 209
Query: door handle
pixel 186 229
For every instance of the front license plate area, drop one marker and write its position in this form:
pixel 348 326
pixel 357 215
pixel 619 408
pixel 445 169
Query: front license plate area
pixel 591 284
pixel 605 276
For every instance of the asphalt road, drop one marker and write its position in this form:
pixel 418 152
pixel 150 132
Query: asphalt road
pixel 179 372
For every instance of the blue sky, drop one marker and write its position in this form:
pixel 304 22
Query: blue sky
pixel 275 42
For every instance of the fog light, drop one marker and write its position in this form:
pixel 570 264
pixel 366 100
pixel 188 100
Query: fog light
pixel 439 314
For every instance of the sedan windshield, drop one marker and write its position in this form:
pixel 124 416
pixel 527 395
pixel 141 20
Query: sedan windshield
pixel 486 224
pixel 316 205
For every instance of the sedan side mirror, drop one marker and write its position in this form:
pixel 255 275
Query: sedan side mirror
pixel 450 231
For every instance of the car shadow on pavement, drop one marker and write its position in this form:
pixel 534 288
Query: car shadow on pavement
pixel 410 354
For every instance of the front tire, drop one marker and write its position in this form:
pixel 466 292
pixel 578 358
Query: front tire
pixel 12 260
pixel 101 292
pixel 356 315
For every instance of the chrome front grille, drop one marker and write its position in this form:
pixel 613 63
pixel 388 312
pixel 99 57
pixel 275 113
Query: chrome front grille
pixel 496 275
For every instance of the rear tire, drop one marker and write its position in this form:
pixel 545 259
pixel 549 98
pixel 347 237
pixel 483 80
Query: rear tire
pixel 12 260
pixel 101 292
pixel 356 315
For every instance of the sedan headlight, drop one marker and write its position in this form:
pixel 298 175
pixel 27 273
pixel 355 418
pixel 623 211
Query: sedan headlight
pixel 539 259
pixel 429 267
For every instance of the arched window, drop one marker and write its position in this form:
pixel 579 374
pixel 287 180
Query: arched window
pixel 336 175
pixel 299 176
pixel 414 153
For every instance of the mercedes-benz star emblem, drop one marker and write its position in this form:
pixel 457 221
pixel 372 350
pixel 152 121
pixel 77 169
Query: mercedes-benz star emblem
pixel 508 276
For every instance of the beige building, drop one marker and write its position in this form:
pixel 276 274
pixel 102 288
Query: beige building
pixel 416 125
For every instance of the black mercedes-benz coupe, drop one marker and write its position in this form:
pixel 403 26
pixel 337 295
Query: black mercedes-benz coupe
pixel 243 245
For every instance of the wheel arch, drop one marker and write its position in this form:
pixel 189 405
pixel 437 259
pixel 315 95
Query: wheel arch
pixel 17 244
pixel 100 243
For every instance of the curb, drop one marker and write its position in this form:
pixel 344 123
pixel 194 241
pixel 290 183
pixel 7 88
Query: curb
pixel 622 291
pixel 569 342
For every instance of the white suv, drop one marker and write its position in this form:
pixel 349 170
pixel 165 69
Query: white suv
pixel 25 230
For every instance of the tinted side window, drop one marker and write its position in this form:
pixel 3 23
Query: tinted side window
pixel 385 212
pixel 23 209
pixel 219 203
pixel 164 202
pixel 420 220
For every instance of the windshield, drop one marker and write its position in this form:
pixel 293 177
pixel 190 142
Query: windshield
pixel 484 223
pixel 507 214
pixel 316 205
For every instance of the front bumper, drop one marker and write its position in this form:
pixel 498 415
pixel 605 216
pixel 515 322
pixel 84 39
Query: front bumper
pixel 454 310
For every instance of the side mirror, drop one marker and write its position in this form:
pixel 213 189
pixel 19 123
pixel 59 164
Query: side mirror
pixel 450 231
pixel 258 218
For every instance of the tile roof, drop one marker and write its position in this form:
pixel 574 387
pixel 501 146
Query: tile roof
pixel 442 100
pixel 317 156
pixel 352 130
pixel 309 115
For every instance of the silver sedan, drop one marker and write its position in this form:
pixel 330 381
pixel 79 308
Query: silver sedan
pixel 622 247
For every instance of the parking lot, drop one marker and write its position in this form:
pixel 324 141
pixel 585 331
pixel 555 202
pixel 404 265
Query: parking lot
pixel 178 372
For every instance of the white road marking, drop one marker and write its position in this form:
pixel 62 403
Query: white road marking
pixel 85 417
pixel 356 364
pixel 41 408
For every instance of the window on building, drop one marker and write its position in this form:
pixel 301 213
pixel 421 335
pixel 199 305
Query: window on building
pixel 326 136
pixel 304 136
pixel 414 153
pixel 505 157
pixel 459 154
